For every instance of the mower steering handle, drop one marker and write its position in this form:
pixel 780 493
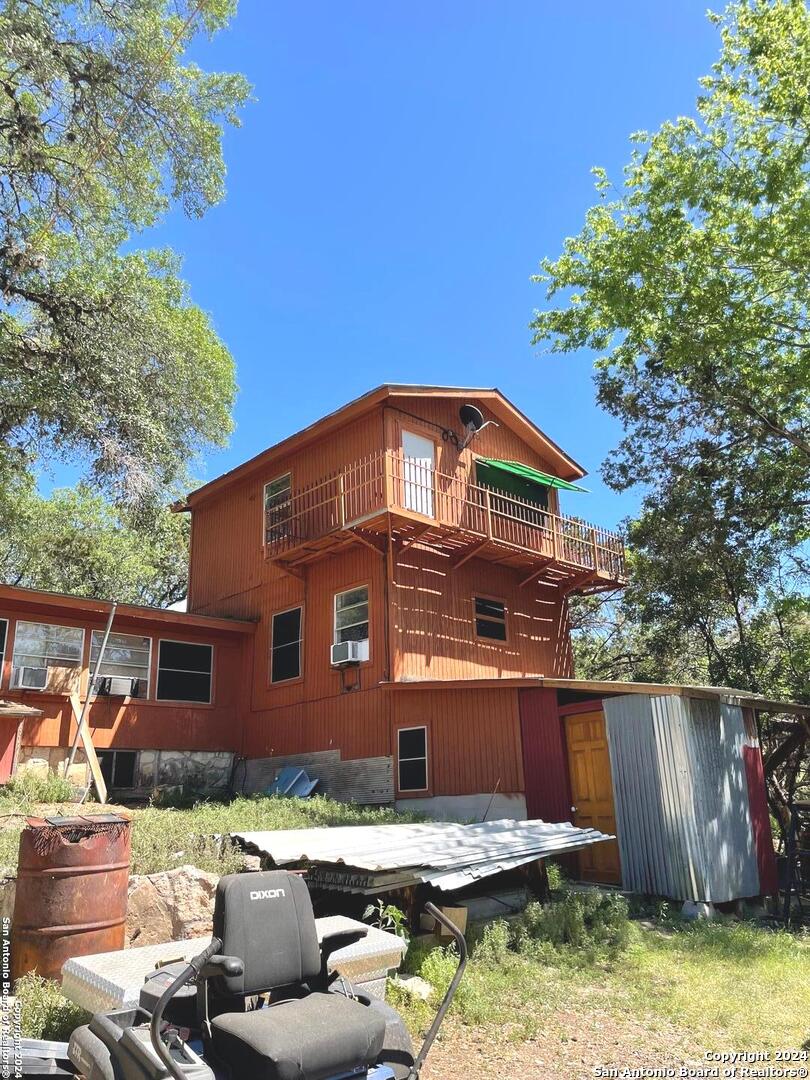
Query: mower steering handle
pixel 461 945
pixel 191 971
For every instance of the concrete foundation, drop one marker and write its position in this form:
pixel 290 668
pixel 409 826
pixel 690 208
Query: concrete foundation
pixel 468 807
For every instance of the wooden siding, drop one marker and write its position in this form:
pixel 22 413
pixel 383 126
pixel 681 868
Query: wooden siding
pixel 545 759
pixel 228 564
pixel 135 723
pixel 433 629
pixel 473 737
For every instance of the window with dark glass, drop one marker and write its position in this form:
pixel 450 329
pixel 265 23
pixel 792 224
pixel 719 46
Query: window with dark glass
pixel 285 649
pixel 184 671
pixel 277 508
pixel 118 767
pixel 490 619
pixel 412 766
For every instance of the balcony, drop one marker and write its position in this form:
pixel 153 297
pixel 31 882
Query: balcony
pixel 388 495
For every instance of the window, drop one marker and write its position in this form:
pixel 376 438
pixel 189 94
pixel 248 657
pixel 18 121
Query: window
pixel 184 671
pixel 3 639
pixel 277 508
pixel 118 767
pixel 285 646
pixel 412 774
pixel 490 619
pixel 351 618
pixel 47 657
pixel 126 660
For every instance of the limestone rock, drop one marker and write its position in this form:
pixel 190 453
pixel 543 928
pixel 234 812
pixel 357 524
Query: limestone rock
pixel 8 888
pixel 170 906
pixel 414 986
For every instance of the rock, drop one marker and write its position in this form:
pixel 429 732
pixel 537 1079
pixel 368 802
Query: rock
pixel 415 986
pixel 8 889
pixel 170 906
pixel 251 863
pixel 697 910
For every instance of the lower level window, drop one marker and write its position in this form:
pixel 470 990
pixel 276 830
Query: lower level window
pixel 118 767
pixel 412 764
pixel 184 672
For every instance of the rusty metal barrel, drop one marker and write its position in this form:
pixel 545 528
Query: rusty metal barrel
pixel 71 897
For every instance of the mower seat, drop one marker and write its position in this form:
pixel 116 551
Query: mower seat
pixel 306 1033
pixel 312 1038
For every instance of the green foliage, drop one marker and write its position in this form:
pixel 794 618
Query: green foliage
pixel 690 281
pixel 28 788
pixel 45 1013
pixel 104 359
pixel 75 541
pixel 388 917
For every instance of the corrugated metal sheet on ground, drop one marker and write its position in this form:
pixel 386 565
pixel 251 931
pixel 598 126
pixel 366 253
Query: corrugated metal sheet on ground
pixel 443 854
pixel 680 793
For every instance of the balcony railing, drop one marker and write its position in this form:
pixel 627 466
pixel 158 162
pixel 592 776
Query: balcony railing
pixel 388 482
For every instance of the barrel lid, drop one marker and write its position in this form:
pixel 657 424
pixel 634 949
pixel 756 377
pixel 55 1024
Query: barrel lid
pixel 76 820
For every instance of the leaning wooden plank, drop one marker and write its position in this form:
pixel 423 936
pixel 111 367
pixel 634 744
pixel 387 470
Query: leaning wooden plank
pixel 89 749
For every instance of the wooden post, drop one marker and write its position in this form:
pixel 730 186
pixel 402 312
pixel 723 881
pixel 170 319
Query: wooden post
pixel 595 549
pixel 341 500
pixel 89 749
pixel 389 487
pixel 488 503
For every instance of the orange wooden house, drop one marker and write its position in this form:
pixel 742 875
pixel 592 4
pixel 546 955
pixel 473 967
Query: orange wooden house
pixel 382 597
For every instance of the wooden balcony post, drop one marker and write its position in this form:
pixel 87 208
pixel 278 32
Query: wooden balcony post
pixel 555 545
pixel 595 543
pixel 389 485
pixel 488 502
pixel 341 500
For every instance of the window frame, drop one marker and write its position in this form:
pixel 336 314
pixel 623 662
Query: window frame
pixel 185 701
pixel 489 618
pixel 414 791
pixel 296 678
pixel 129 697
pixel 78 664
pixel 265 542
pixel 342 592
pixel 114 751
pixel 4 646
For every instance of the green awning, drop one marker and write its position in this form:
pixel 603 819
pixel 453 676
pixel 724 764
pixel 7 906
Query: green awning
pixel 525 472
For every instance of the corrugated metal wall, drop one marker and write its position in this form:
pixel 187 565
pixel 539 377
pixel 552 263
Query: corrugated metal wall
pixel 680 789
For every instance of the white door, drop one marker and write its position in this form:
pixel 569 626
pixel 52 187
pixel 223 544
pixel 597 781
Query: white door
pixel 420 460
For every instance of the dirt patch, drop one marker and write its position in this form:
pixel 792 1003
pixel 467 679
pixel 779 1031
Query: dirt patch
pixel 15 818
pixel 571 1046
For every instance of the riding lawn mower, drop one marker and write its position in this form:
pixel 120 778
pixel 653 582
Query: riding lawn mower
pixel 259 1003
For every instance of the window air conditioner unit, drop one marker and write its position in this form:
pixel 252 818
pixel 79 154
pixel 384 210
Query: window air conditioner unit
pixel 30 678
pixel 117 686
pixel 347 652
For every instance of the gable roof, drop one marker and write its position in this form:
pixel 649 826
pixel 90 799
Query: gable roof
pixel 499 405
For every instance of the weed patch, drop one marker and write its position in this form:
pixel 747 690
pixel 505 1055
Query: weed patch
pixel 45 1012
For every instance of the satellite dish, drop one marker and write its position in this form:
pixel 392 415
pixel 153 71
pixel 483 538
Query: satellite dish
pixel 471 418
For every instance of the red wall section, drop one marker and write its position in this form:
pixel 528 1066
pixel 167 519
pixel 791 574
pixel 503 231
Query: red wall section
pixel 545 761
pixel 760 819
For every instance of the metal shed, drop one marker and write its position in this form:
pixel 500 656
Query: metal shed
pixel 681 795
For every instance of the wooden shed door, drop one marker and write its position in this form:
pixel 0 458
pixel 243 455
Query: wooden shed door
pixel 592 794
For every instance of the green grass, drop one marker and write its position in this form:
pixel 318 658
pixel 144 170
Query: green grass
pixel 164 837
pixel 724 985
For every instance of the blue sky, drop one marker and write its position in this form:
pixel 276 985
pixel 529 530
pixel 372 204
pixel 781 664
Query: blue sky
pixel 395 184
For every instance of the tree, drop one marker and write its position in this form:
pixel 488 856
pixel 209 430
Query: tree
pixel 690 282
pixel 76 542
pixel 103 358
